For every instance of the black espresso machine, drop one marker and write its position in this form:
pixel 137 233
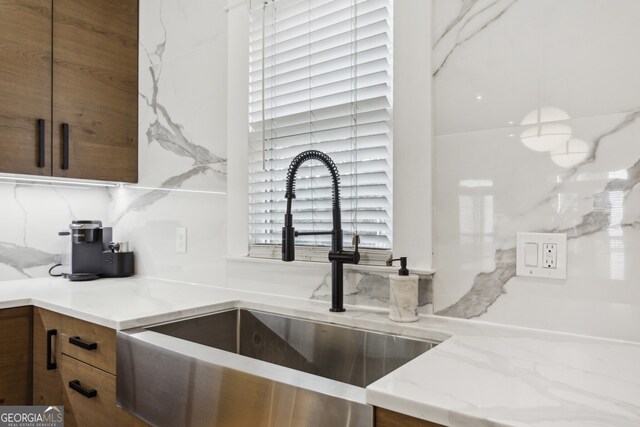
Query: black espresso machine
pixel 95 255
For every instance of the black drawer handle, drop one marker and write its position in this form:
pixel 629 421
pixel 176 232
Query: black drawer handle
pixel 65 146
pixel 75 385
pixel 83 344
pixel 50 334
pixel 41 138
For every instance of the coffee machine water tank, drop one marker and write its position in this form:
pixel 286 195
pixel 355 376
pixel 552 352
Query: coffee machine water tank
pixel 65 252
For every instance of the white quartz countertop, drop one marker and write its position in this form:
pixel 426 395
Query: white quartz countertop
pixel 481 375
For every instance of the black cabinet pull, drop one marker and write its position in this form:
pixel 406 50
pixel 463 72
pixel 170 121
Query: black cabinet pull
pixel 65 146
pixel 83 344
pixel 50 334
pixel 75 385
pixel 41 138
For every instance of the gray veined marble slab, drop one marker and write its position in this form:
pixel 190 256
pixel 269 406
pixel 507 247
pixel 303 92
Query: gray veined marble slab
pixel 495 61
pixel 32 215
pixel 182 149
pixel 537 117
pixel 595 202
pixel 372 289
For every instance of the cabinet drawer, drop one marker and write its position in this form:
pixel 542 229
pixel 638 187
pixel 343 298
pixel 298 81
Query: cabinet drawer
pixel 81 410
pixel 90 343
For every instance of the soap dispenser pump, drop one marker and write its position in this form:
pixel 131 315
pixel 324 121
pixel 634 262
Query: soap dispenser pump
pixel 403 293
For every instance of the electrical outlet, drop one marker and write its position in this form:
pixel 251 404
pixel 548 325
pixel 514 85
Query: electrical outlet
pixel 541 255
pixel 550 255
pixel 181 240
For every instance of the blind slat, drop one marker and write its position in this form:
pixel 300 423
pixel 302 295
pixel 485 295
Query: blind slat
pixel 326 66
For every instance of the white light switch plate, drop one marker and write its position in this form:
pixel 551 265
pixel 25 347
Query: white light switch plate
pixel 181 240
pixel 541 255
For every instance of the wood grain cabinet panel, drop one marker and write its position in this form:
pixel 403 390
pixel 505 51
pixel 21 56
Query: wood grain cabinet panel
pixel 94 369
pixel 103 356
pixel 15 356
pixel 95 88
pixel 25 85
pixel 71 63
pixel 47 386
pixel 94 410
pixel 386 418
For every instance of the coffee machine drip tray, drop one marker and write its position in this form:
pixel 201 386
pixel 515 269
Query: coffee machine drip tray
pixel 80 277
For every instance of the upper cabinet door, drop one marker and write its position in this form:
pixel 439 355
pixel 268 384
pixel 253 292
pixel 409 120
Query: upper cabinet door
pixel 95 89
pixel 25 87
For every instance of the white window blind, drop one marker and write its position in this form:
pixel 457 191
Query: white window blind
pixel 320 78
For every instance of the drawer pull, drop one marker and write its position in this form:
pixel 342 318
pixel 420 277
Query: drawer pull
pixel 75 385
pixel 83 344
pixel 50 334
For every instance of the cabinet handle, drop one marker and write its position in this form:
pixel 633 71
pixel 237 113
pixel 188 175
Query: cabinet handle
pixel 50 334
pixel 75 385
pixel 65 146
pixel 83 344
pixel 41 138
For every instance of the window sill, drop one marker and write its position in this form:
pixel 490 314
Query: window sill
pixel 310 264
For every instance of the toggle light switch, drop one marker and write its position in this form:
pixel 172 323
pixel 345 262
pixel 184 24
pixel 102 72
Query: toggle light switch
pixel 531 254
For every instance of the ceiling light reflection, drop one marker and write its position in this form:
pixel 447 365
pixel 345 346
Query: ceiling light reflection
pixel 543 132
pixel 570 154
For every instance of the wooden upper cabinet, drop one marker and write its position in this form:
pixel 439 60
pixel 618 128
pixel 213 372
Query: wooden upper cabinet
pixel 71 63
pixel 95 89
pixel 25 86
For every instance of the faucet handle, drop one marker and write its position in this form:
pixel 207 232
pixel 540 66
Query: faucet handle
pixel 355 240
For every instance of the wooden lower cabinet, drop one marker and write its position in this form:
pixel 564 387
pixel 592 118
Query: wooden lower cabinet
pixel 15 356
pixel 80 376
pixel 386 418
pixel 93 402
pixel 47 388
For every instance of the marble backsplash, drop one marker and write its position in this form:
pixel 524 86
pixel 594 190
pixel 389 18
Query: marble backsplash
pixel 182 164
pixel 363 286
pixel 182 143
pixel 32 215
pixel 372 289
pixel 537 118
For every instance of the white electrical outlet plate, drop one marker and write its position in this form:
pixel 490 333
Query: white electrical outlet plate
pixel 549 255
pixel 181 240
pixel 541 255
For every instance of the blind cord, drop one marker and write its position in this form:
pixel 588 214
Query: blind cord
pixel 264 135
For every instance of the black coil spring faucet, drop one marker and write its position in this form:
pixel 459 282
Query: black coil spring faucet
pixel 337 255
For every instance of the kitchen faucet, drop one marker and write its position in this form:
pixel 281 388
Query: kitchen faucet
pixel 337 255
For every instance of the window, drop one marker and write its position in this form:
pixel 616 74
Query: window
pixel 320 78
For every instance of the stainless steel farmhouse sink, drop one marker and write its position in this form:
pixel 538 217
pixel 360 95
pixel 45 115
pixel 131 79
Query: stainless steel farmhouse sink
pixel 244 367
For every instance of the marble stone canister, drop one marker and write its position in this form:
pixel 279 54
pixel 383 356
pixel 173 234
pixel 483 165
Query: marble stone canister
pixel 403 298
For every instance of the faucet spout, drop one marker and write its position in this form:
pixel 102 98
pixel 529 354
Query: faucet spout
pixel 337 255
